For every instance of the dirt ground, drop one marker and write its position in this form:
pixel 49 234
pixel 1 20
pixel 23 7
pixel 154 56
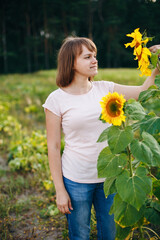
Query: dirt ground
pixel 29 224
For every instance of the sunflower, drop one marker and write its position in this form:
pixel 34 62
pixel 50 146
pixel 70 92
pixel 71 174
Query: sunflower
pixel 143 62
pixel 112 108
pixel 142 53
pixel 137 40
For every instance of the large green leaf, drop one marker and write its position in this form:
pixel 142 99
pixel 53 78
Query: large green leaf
pixel 104 136
pixel 156 188
pixel 141 152
pixel 125 214
pixel 151 142
pixel 109 186
pixel 157 81
pixel 134 110
pixel 150 124
pixel 154 58
pixel 118 138
pixel 110 165
pixel 152 213
pixel 122 233
pixel 133 189
pixel 150 93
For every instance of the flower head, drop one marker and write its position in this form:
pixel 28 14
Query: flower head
pixel 112 108
pixel 141 52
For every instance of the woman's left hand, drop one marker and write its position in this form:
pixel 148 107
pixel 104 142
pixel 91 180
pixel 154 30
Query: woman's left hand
pixel 155 48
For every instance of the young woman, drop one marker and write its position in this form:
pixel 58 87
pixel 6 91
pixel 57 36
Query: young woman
pixel 75 108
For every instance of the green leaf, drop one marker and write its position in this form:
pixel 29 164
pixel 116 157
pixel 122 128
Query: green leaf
pixel 150 124
pixel 141 152
pixel 125 214
pixel 101 118
pixel 156 188
pixel 152 215
pixel 151 142
pixel 133 190
pixel 155 205
pixel 154 58
pixel 110 165
pixel 122 233
pixel 134 110
pixel 150 93
pixel 109 186
pixel 104 135
pixel 157 81
pixel 118 138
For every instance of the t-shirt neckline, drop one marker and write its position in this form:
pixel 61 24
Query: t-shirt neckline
pixel 71 94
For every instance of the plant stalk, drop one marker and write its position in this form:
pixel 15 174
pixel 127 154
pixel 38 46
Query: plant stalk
pixel 130 162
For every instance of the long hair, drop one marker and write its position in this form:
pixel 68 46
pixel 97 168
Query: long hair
pixel 70 49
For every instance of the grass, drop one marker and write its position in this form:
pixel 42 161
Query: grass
pixel 24 203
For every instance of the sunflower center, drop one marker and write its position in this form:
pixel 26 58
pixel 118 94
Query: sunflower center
pixel 113 108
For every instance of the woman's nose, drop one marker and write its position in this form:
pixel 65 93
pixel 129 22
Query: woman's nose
pixel 94 60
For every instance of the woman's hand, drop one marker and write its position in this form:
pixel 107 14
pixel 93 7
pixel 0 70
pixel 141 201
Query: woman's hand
pixel 63 202
pixel 154 49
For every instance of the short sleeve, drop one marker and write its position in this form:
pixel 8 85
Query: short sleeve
pixel 107 86
pixel 110 86
pixel 52 105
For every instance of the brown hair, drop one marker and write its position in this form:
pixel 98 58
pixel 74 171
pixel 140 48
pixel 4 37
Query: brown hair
pixel 70 49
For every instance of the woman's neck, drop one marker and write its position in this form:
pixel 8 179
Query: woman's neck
pixel 78 86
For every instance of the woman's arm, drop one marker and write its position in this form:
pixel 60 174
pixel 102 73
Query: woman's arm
pixel 53 126
pixel 134 91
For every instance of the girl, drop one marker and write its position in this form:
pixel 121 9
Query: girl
pixel 75 108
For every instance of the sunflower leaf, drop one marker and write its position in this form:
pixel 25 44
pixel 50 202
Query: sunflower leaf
pixel 104 136
pixel 122 233
pixel 151 142
pixel 152 214
pixel 118 138
pixel 110 165
pixel 134 189
pixel 125 214
pixel 146 95
pixel 134 110
pixel 141 152
pixel 157 81
pixel 154 59
pixel 109 186
pixel 156 188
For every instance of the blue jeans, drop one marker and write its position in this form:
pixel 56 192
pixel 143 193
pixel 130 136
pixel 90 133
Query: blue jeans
pixel 83 195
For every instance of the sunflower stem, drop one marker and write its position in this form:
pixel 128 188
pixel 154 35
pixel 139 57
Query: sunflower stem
pixel 130 161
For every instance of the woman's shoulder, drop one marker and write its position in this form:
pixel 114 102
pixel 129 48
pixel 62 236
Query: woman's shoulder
pixel 55 93
pixel 104 85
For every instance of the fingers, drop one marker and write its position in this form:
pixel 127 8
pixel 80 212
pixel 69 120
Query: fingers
pixel 63 202
pixel 154 48
pixel 70 205
pixel 64 209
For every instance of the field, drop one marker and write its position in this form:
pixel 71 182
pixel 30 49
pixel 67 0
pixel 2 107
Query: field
pixel 27 195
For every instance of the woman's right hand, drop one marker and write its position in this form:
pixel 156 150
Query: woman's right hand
pixel 63 202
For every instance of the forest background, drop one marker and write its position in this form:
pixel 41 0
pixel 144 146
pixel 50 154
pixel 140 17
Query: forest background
pixel 31 32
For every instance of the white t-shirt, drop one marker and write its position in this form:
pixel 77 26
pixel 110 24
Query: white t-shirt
pixel 81 128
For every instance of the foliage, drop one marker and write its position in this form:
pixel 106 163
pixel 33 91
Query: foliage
pixel 131 164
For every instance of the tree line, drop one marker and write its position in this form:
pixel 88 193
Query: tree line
pixel 32 31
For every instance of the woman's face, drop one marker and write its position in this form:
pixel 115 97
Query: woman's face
pixel 86 63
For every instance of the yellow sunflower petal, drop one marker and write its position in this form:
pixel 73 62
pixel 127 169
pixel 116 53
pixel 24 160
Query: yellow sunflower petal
pixel 112 108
